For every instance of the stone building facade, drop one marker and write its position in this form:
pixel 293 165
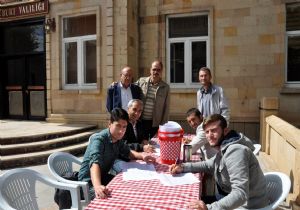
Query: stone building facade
pixel 245 43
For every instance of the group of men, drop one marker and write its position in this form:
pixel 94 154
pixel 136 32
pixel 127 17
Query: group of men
pixel 137 110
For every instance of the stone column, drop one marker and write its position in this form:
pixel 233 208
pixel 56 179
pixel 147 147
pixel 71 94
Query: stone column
pixel 268 106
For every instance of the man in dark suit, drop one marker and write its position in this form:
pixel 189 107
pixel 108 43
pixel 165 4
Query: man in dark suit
pixel 135 136
pixel 119 94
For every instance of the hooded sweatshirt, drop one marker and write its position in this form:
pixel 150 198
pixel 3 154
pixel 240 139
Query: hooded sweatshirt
pixel 237 172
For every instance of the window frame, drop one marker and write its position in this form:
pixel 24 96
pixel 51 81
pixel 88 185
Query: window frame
pixel 187 51
pixel 80 41
pixel 290 34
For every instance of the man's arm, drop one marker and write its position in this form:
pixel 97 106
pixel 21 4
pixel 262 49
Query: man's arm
pixel 199 140
pixel 224 108
pixel 109 99
pixel 140 156
pixel 100 190
pixel 166 108
pixel 237 165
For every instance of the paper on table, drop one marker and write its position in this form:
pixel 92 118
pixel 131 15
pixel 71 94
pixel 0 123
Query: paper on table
pixel 177 179
pixel 138 171
pixel 137 165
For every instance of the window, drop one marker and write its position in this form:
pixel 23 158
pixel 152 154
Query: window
pixel 79 52
pixel 187 49
pixel 293 43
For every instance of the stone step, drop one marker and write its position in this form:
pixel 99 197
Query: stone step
pixel 13 149
pixel 40 157
pixel 40 135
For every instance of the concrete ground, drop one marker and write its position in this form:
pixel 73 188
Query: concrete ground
pixel 44 193
pixel 11 128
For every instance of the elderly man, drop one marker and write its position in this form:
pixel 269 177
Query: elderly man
pixel 134 135
pixel 156 99
pixel 240 181
pixel 211 98
pixel 195 119
pixel 119 94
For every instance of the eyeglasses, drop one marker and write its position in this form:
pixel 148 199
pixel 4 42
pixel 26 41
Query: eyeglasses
pixel 156 69
pixel 126 76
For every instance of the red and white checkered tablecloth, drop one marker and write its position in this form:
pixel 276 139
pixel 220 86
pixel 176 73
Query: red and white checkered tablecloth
pixel 148 194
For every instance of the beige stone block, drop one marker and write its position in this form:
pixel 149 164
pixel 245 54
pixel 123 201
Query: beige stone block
pixel 247 93
pixel 109 60
pixel 109 12
pixel 110 3
pixel 231 93
pixel 167 2
pixel 123 11
pixel 279 58
pixel 109 40
pixel 109 21
pixel 230 50
pixel 266 39
pixel 230 31
pixel 109 31
pixel 269 103
pixel 242 12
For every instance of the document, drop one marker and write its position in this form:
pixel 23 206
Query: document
pixel 138 171
pixel 177 179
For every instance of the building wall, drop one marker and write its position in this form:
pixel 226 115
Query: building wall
pixel 80 105
pixel 247 43
pixel 247 55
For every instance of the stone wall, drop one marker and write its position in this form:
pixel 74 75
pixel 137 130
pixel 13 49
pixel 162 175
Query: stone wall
pixel 247 52
pixel 247 55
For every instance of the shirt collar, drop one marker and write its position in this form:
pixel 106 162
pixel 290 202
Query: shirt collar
pixel 209 90
pixel 109 136
pixel 121 85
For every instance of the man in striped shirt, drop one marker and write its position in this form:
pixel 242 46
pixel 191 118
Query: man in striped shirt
pixel 156 98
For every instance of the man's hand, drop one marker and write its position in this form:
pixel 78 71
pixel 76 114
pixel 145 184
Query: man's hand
pixel 101 191
pixel 196 204
pixel 149 159
pixel 113 83
pixel 176 169
pixel 148 148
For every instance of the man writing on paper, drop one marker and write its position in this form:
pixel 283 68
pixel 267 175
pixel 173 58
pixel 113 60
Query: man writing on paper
pixel 103 149
pixel 240 181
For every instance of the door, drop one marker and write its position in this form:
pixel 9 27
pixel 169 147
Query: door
pixel 25 87
pixel 23 70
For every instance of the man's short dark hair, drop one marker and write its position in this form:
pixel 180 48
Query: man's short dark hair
pixel 205 69
pixel 194 111
pixel 118 114
pixel 214 118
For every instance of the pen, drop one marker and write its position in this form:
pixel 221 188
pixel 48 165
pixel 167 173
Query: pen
pixel 177 161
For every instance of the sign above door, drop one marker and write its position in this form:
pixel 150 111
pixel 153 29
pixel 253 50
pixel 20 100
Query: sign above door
pixel 16 9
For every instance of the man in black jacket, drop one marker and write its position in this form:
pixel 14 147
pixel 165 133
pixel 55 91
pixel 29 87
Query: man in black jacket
pixel 134 135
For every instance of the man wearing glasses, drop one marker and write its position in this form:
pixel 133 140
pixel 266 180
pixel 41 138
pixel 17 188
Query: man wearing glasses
pixel 156 98
pixel 119 94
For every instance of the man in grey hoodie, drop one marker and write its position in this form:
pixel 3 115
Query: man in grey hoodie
pixel 239 179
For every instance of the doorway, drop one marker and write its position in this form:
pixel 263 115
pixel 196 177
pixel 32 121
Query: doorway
pixel 23 70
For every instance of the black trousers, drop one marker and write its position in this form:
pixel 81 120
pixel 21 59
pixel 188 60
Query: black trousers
pixel 218 196
pixel 63 197
pixel 149 131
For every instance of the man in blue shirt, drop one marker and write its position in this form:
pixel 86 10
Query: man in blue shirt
pixel 103 149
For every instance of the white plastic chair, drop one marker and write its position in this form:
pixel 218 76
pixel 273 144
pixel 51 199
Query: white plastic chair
pixel 278 188
pixel 257 149
pixel 60 163
pixel 17 189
